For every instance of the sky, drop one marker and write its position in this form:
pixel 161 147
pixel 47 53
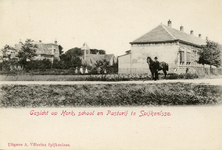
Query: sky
pixel 104 24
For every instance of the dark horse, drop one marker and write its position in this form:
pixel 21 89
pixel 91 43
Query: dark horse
pixel 162 66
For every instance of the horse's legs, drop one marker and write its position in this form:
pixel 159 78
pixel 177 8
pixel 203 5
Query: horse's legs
pixel 165 73
pixel 152 74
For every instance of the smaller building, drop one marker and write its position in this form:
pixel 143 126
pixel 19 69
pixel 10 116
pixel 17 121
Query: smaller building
pixel 91 59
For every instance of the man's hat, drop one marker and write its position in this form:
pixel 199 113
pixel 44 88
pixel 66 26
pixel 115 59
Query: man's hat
pixel 155 58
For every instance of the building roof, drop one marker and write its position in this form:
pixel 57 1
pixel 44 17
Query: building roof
pixel 163 33
pixel 85 47
pixel 93 58
pixel 42 48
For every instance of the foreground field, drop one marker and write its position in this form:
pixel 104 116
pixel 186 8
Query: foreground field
pixel 109 95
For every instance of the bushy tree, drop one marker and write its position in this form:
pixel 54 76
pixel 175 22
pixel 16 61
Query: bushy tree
pixel 57 64
pixel 210 54
pixel 102 52
pixel 5 51
pixel 75 52
pixel 95 51
pixel 113 68
pixel 27 53
pixel 60 50
pixel 70 59
pixel 9 62
pixel 101 66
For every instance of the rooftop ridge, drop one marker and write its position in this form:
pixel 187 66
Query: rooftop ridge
pixel 182 32
pixel 168 31
pixel 163 33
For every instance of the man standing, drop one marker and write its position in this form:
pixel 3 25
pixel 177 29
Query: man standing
pixel 156 65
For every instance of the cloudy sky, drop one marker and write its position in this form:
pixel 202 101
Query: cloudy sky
pixel 104 24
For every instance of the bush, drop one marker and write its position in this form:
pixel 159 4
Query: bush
pixel 182 76
pixel 39 64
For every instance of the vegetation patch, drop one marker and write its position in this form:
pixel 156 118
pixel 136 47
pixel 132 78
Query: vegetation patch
pixel 109 95
pixel 99 77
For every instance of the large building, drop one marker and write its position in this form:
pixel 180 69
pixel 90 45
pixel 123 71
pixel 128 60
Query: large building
pixel 44 50
pixel 175 47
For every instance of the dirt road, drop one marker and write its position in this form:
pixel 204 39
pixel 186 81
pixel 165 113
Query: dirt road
pixel 198 81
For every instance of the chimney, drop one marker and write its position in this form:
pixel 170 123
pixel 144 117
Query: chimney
pixel 191 32
pixel 199 35
pixel 169 23
pixel 55 42
pixel 181 28
pixel 207 38
pixel 40 41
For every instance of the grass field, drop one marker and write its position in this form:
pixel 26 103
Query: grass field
pixel 109 95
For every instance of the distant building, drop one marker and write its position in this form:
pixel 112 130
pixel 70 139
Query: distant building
pixel 175 47
pixel 44 50
pixel 91 59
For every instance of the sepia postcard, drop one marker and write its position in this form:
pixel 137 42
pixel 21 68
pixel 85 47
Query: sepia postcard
pixel 111 75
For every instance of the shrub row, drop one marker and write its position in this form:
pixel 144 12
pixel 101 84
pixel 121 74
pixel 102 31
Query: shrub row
pixel 69 75
pixel 182 76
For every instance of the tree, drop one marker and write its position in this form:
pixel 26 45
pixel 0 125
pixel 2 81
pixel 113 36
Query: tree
pixel 7 51
pixel 102 52
pixel 210 54
pixel 72 58
pixel 95 51
pixel 27 53
pixel 57 64
pixel 60 50
pixel 75 52
pixel 10 62
pixel 101 66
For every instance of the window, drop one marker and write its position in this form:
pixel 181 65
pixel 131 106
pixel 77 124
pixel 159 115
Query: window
pixel 188 58
pixel 181 57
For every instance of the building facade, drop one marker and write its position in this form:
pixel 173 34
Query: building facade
pixel 44 50
pixel 91 59
pixel 175 47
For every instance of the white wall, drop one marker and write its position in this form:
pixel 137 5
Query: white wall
pixel 124 64
pixel 169 52
pixel 165 52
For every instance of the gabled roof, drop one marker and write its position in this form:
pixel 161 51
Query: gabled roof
pixel 42 48
pixel 85 47
pixel 164 33
pixel 92 58
pixel 108 57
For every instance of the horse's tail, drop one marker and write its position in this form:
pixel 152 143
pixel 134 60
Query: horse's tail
pixel 167 67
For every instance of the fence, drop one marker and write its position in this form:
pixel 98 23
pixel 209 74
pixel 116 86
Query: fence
pixel 204 69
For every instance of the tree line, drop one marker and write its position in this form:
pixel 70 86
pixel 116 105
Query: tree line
pixel 209 54
pixel 71 59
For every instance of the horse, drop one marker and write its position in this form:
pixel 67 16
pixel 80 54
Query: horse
pixel 162 66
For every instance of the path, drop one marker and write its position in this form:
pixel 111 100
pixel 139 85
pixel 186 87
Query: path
pixel 198 81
